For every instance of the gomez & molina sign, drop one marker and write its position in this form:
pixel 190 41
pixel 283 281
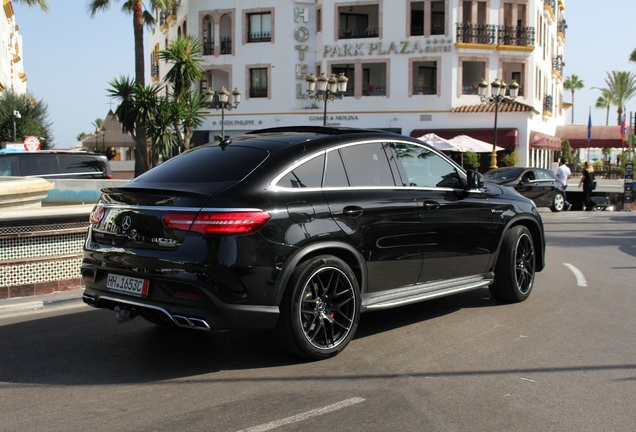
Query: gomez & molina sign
pixel 382 48
pixel 333 118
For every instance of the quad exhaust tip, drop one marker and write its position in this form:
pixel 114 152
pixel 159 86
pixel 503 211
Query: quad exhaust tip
pixel 125 313
pixel 196 323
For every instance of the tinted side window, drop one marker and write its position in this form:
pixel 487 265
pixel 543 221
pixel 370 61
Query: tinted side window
pixel 38 164
pixel 5 166
pixel 545 175
pixel 307 175
pixel 79 164
pixel 367 165
pixel 425 168
pixel 335 175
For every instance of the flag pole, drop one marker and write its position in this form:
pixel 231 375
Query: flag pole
pixel 589 133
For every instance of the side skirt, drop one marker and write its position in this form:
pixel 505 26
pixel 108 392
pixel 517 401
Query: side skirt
pixel 425 291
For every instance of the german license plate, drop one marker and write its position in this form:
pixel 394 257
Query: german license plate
pixel 128 285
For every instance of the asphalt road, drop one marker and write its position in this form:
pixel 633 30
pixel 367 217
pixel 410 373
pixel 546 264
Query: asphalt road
pixel 564 360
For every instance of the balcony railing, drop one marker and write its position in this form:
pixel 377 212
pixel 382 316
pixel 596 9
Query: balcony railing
pixel 208 47
pixel 425 89
pixel 490 34
pixel 476 33
pixel 548 105
pixel 558 64
pixel 561 26
pixel 516 36
pixel 259 37
pixel 258 92
pixel 375 90
pixel 154 69
pixel 358 34
pixel 226 45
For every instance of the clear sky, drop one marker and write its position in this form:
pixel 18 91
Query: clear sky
pixel 69 57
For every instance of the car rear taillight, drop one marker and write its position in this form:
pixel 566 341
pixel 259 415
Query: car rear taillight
pixel 243 222
pixel 97 214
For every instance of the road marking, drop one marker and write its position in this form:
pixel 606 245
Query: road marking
pixel 304 416
pixel 580 278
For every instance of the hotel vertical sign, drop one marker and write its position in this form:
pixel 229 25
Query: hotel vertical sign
pixel 301 36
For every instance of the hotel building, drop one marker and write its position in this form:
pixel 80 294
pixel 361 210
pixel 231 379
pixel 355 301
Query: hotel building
pixel 12 75
pixel 413 66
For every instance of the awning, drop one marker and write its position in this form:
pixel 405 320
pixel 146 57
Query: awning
pixel 506 137
pixel 601 136
pixel 544 141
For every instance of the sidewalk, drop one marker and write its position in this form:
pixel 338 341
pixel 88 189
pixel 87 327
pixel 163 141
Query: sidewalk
pixel 33 303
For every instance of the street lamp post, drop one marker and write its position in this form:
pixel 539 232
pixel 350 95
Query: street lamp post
pixel 220 100
pixel 326 89
pixel 497 96
pixel 16 115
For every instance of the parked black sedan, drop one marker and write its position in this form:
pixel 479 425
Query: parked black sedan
pixel 538 184
pixel 299 230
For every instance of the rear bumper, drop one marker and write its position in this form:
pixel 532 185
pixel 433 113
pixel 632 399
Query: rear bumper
pixel 220 316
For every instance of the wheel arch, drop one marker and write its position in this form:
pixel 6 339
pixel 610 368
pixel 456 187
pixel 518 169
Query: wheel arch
pixel 344 251
pixel 537 235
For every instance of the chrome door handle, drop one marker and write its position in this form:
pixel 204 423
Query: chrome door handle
pixel 352 211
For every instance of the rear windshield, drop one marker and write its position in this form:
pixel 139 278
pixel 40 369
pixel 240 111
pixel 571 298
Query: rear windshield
pixel 208 164
pixel 503 174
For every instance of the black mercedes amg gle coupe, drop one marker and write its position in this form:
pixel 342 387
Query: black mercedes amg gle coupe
pixel 300 230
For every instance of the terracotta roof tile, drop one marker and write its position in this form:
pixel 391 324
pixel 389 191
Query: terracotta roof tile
pixel 490 107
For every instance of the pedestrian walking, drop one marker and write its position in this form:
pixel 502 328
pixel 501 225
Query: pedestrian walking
pixel 564 173
pixel 589 184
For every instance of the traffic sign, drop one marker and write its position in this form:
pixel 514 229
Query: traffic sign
pixel 31 143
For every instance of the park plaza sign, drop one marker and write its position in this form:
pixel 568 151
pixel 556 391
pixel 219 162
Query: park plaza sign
pixel 356 49
pixel 387 48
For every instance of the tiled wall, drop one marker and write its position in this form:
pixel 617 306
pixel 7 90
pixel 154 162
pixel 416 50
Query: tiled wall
pixel 40 258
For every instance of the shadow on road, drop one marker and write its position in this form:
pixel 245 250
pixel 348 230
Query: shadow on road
pixel 90 348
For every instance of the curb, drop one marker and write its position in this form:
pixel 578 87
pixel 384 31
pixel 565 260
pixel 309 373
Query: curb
pixel 22 304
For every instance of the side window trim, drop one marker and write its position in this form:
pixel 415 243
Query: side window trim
pixel 275 183
pixel 456 171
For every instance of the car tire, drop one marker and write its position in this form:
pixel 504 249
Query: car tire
pixel 558 203
pixel 515 268
pixel 320 310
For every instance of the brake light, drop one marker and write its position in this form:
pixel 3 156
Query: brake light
pixel 218 222
pixel 97 214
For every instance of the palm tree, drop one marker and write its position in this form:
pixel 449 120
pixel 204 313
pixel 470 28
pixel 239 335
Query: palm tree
pixel 140 17
pixel 604 101
pixel 184 54
pixel 42 3
pixel 621 87
pixel 573 83
pixel 632 56
pixel 98 123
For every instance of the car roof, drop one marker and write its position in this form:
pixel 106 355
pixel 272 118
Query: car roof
pixel 70 152
pixel 316 137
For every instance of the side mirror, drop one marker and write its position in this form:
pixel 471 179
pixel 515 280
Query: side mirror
pixel 475 180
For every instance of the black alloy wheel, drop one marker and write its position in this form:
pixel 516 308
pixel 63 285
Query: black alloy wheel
pixel 515 268
pixel 320 310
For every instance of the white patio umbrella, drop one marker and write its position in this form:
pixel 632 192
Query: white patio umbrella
pixel 465 143
pixel 438 142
